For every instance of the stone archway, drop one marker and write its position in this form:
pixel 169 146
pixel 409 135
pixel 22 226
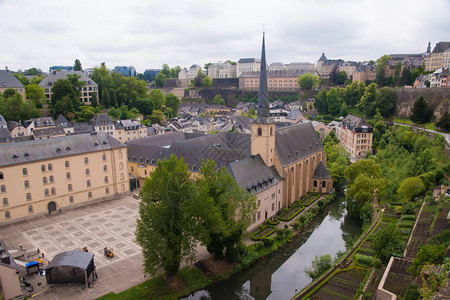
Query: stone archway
pixel 51 207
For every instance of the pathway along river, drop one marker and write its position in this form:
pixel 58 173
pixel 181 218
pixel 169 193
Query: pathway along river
pixel 277 276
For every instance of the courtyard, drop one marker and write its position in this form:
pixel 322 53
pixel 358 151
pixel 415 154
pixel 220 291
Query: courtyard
pixel 96 226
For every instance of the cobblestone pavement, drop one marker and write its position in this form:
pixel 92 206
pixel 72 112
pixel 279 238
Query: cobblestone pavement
pixel 95 226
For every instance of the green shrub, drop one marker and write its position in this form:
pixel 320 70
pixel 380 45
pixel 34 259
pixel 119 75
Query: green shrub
pixel 408 217
pixel 268 241
pixel 296 225
pixel 280 231
pixel 376 263
pixel 259 245
pixel 248 259
pixel 364 260
pixel 408 209
pixel 405 223
pixel 321 203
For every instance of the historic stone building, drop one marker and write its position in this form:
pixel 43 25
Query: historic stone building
pixel 356 136
pixel 278 165
pixel 41 176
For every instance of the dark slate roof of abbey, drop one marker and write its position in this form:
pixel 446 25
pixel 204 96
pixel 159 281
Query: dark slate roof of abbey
pixel 296 142
pixel 252 172
pixel 321 171
pixel 30 151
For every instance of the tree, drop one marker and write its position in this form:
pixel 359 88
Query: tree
pixel 24 80
pixel 444 122
pixel 421 111
pixel 380 69
pixel 319 265
pixel 353 93
pixel 157 98
pixel 337 160
pixel 308 81
pixel 334 74
pixel 384 101
pixel 341 77
pixel 77 65
pixel 365 179
pixel 207 81
pixel 35 93
pixel 334 102
pixel 168 228
pixel 33 71
pixel 173 103
pixel 218 100
pixel 157 117
pixel 94 100
pixel 367 102
pixel 388 241
pixel 405 79
pixel 397 73
pixel 321 101
pixel 234 205
pixel 14 108
pixel 160 79
pixel 198 80
pixel 410 187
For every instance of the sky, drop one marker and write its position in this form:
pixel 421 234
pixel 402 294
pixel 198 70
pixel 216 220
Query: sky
pixel 147 34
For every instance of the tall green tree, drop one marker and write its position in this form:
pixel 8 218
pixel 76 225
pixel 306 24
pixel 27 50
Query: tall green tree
pixel 384 101
pixel 308 81
pixel 380 69
pixel 319 265
pixel 367 102
pixel 157 98
pixel 334 102
pixel 219 100
pixel 321 101
pixel 14 108
pixel 207 81
pixel 235 205
pixel 397 73
pixel 77 65
pixel 421 111
pixel 387 242
pixel 173 103
pixel 405 79
pixel 35 93
pixel 24 80
pixel 410 187
pixel 353 93
pixel 168 226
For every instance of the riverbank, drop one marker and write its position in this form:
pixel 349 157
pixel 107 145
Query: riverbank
pixel 205 272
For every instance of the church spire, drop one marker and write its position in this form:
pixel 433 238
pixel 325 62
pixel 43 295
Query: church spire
pixel 263 116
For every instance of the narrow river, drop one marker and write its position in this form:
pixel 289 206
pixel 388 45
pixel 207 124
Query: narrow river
pixel 281 274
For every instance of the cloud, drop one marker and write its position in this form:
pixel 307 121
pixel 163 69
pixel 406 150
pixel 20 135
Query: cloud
pixel 147 34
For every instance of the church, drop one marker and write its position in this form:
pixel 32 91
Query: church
pixel 278 165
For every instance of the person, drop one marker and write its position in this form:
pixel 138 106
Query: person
pixel 89 284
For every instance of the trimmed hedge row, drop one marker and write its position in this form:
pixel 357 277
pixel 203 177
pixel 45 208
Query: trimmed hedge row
pixel 364 260
pixel 314 199
pixel 291 213
pixel 267 230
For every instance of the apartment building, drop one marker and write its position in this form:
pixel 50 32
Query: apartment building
pixel 277 80
pixel 222 70
pixel 9 81
pixel 436 59
pixel 246 65
pixel 43 176
pixel 86 91
pixel 356 136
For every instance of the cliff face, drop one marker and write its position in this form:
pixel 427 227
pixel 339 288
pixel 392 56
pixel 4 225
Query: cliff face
pixel 438 98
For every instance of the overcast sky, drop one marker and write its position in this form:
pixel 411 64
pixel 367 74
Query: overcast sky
pixel 147 34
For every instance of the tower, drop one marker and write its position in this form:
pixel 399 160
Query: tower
pixel 263 127
pixel 429 48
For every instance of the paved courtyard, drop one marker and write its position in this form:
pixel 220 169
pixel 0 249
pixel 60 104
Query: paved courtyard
pixel 106 224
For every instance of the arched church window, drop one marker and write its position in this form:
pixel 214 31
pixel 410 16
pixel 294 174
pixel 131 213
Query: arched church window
pixel 259 131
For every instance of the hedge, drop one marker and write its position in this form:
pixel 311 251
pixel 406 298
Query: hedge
pixel 291 213
pixel 270 230
pixel 364 260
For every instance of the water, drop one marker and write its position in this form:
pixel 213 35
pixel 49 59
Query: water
pixel 281 274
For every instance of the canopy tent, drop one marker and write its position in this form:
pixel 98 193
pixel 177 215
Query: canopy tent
pixel 70 267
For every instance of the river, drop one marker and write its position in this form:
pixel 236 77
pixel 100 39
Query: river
pixel 280 275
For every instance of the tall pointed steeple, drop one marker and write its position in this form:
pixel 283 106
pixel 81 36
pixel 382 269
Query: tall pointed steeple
pixel 263 115
pixel 263 127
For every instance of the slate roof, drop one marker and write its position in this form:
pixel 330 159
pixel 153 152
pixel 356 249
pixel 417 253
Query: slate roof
pixel 48 132
pixel 296 142
pixel 353 123
pixel 13 124
pixel 53 76
pixel 5 135
pixel 248 60
pixel 8 80
pixel 6 259
pixel 294 114
pixel 30 151
pixel 441 47
pixel 101 119
pixel 323 57
pixel 284 73
pixel 63 122
pixel 40 122
pixel 321 171
pixel 252 172
pixel 3 122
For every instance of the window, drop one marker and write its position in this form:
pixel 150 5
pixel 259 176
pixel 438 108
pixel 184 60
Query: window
pixel 259 133
pixel 24 172
pixel 90 195
pixel 3 189
pixel 53 191
pixel 121 166
pixel 27 184
pixel 30 209
pixel 87 172
pixel 106 179
pixel 44 180
pixel 71 199
pixel 107 191
pixel 315 183
pixel 86 160
pixel 273 206
pixel 67 164
pixel 258 216
pixel 132 169
pixel 120 154
pixel 121 176
pixel 46 192
pixel 324 183
pixel 271 131
pixel 104 157
pixel 51 179
pixel 43 168
pixel 7 215
pixel 68 175
pixel 5 202
pixel 50 167
pixel 28 197
pixel 88 183
pixel 69 188
pixel 105 168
